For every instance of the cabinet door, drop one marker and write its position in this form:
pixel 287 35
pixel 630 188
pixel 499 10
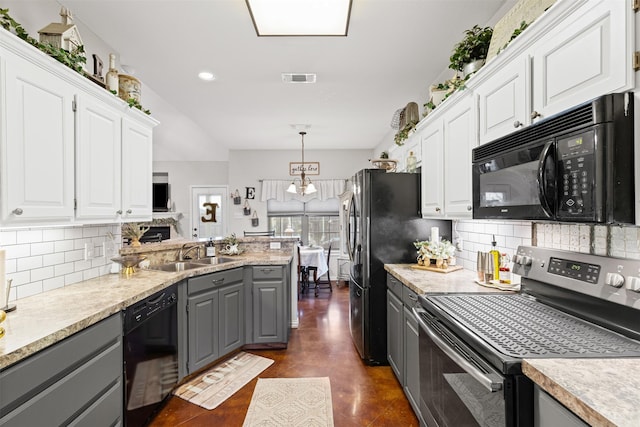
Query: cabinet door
pixel 411 360
pixel 587 56
pixel 232 315
pixel 137 171
pixel 503 100
pixel 459 139
pixel 98 159
pixel 37 142
pixel 395 341
pixel 432 170
pixel 203 329
pixel 268 312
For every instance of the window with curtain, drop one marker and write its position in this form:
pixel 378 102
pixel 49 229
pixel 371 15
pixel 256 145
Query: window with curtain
pixel 314 218
pixel 316 222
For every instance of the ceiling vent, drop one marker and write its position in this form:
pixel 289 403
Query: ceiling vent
pixel 298 78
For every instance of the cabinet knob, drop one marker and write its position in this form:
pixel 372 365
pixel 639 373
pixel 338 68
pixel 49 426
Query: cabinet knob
pixel 517 124
pixel 535 114
pixel 17 211
pixel 469 207
pixel 437 209
pixel 129 211
pixel 119 212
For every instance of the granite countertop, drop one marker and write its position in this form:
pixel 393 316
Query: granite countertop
pixel 44 319
pixel 422 281
pixel 603 392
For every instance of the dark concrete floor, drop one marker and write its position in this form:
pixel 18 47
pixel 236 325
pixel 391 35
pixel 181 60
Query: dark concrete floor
pixel 320 347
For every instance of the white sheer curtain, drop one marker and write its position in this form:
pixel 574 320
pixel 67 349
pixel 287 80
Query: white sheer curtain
pixel 277 190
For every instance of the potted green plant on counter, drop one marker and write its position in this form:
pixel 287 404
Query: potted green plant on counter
pixel 471 52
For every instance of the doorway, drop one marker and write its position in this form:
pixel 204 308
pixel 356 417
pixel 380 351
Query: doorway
pixel 209 211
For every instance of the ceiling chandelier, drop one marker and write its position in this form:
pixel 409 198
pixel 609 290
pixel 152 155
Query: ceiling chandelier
pixel 305 186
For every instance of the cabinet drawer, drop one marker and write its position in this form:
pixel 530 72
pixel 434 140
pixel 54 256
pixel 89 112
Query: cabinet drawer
pixel 208 281
pixel 106 411
pixel 267 272
pixel 79 389
pixel 29 377
pixel 409 297
pixel 394 285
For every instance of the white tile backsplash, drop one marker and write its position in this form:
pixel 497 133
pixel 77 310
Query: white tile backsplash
pixel 477 236
pixel 41 259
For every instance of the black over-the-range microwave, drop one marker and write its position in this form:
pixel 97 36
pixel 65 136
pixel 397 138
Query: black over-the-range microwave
pixel 575 166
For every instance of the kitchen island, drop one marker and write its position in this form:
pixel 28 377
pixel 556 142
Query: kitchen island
pixel 602 392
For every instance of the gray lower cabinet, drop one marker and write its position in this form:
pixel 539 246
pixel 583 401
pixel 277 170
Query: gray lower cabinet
pixel 548 412
pixel 403 340
pixel 271 304
pixel 395 341
pixel 215 317
pixel 77 381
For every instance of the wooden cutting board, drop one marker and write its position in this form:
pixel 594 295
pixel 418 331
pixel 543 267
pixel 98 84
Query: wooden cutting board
pixel 437 270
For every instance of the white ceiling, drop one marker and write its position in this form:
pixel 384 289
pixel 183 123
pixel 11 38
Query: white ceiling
pixel 394 50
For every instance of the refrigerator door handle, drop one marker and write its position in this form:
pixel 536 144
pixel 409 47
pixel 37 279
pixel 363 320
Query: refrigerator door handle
pixel 348 230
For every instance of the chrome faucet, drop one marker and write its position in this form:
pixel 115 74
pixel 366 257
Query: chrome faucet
pixel 182 252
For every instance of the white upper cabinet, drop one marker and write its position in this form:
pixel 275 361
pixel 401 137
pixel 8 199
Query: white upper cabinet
pixel 98 160
pixel 589 54
pixel 137 171
pixel 459 123
pixel 580 51
pixel 37 144
pixel 432 176
pixel 502 100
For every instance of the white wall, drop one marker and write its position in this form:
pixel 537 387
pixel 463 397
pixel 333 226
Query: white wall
pixel 247 167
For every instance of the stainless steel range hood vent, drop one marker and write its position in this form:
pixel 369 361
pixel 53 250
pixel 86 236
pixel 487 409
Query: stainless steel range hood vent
pixel 298 77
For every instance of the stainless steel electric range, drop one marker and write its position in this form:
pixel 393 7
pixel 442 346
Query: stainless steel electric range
pixel 572 305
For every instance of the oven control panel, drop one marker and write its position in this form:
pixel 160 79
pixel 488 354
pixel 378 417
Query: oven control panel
pixel 613 279
pixel 574 269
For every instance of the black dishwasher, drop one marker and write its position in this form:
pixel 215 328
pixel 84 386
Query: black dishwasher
pixel 150 355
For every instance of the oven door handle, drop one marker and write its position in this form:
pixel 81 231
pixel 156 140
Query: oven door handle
pixel 479 376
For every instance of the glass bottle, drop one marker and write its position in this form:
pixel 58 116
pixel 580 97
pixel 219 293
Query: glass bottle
pixel 411 162
pixel 495 255
pixel 112 75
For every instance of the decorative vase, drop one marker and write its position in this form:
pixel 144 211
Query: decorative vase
pixel 111 79
pixel 472 67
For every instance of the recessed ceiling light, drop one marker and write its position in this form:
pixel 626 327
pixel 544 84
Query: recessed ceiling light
pixel 207 76
pixel 300 17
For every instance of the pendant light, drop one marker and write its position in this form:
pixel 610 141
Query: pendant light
pixel 305 186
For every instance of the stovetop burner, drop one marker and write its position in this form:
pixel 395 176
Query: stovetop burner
pixel 521 327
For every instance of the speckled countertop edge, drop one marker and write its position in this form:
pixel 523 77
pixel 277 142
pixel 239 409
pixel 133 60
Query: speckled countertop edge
pixel 421 281
pixel 44 319
pixel 603 392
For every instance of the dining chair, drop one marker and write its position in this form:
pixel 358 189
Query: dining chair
pixel 269 233
pixel 316 279
pixel 303 276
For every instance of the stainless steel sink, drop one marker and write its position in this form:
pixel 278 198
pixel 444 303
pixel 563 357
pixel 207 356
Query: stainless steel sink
pixel 213 260
pixel 176 266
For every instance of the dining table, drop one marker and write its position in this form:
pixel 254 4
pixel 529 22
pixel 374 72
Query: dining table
pixel 313 256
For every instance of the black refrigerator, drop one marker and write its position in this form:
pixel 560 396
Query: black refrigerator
pixel 384 221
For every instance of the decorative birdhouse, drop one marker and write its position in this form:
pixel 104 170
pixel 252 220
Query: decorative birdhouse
pixel 64 34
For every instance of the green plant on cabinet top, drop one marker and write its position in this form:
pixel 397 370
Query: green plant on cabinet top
pixel 473 46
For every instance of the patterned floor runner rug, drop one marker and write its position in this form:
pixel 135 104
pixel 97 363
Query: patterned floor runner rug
pixel 291 402
pixel 214 386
